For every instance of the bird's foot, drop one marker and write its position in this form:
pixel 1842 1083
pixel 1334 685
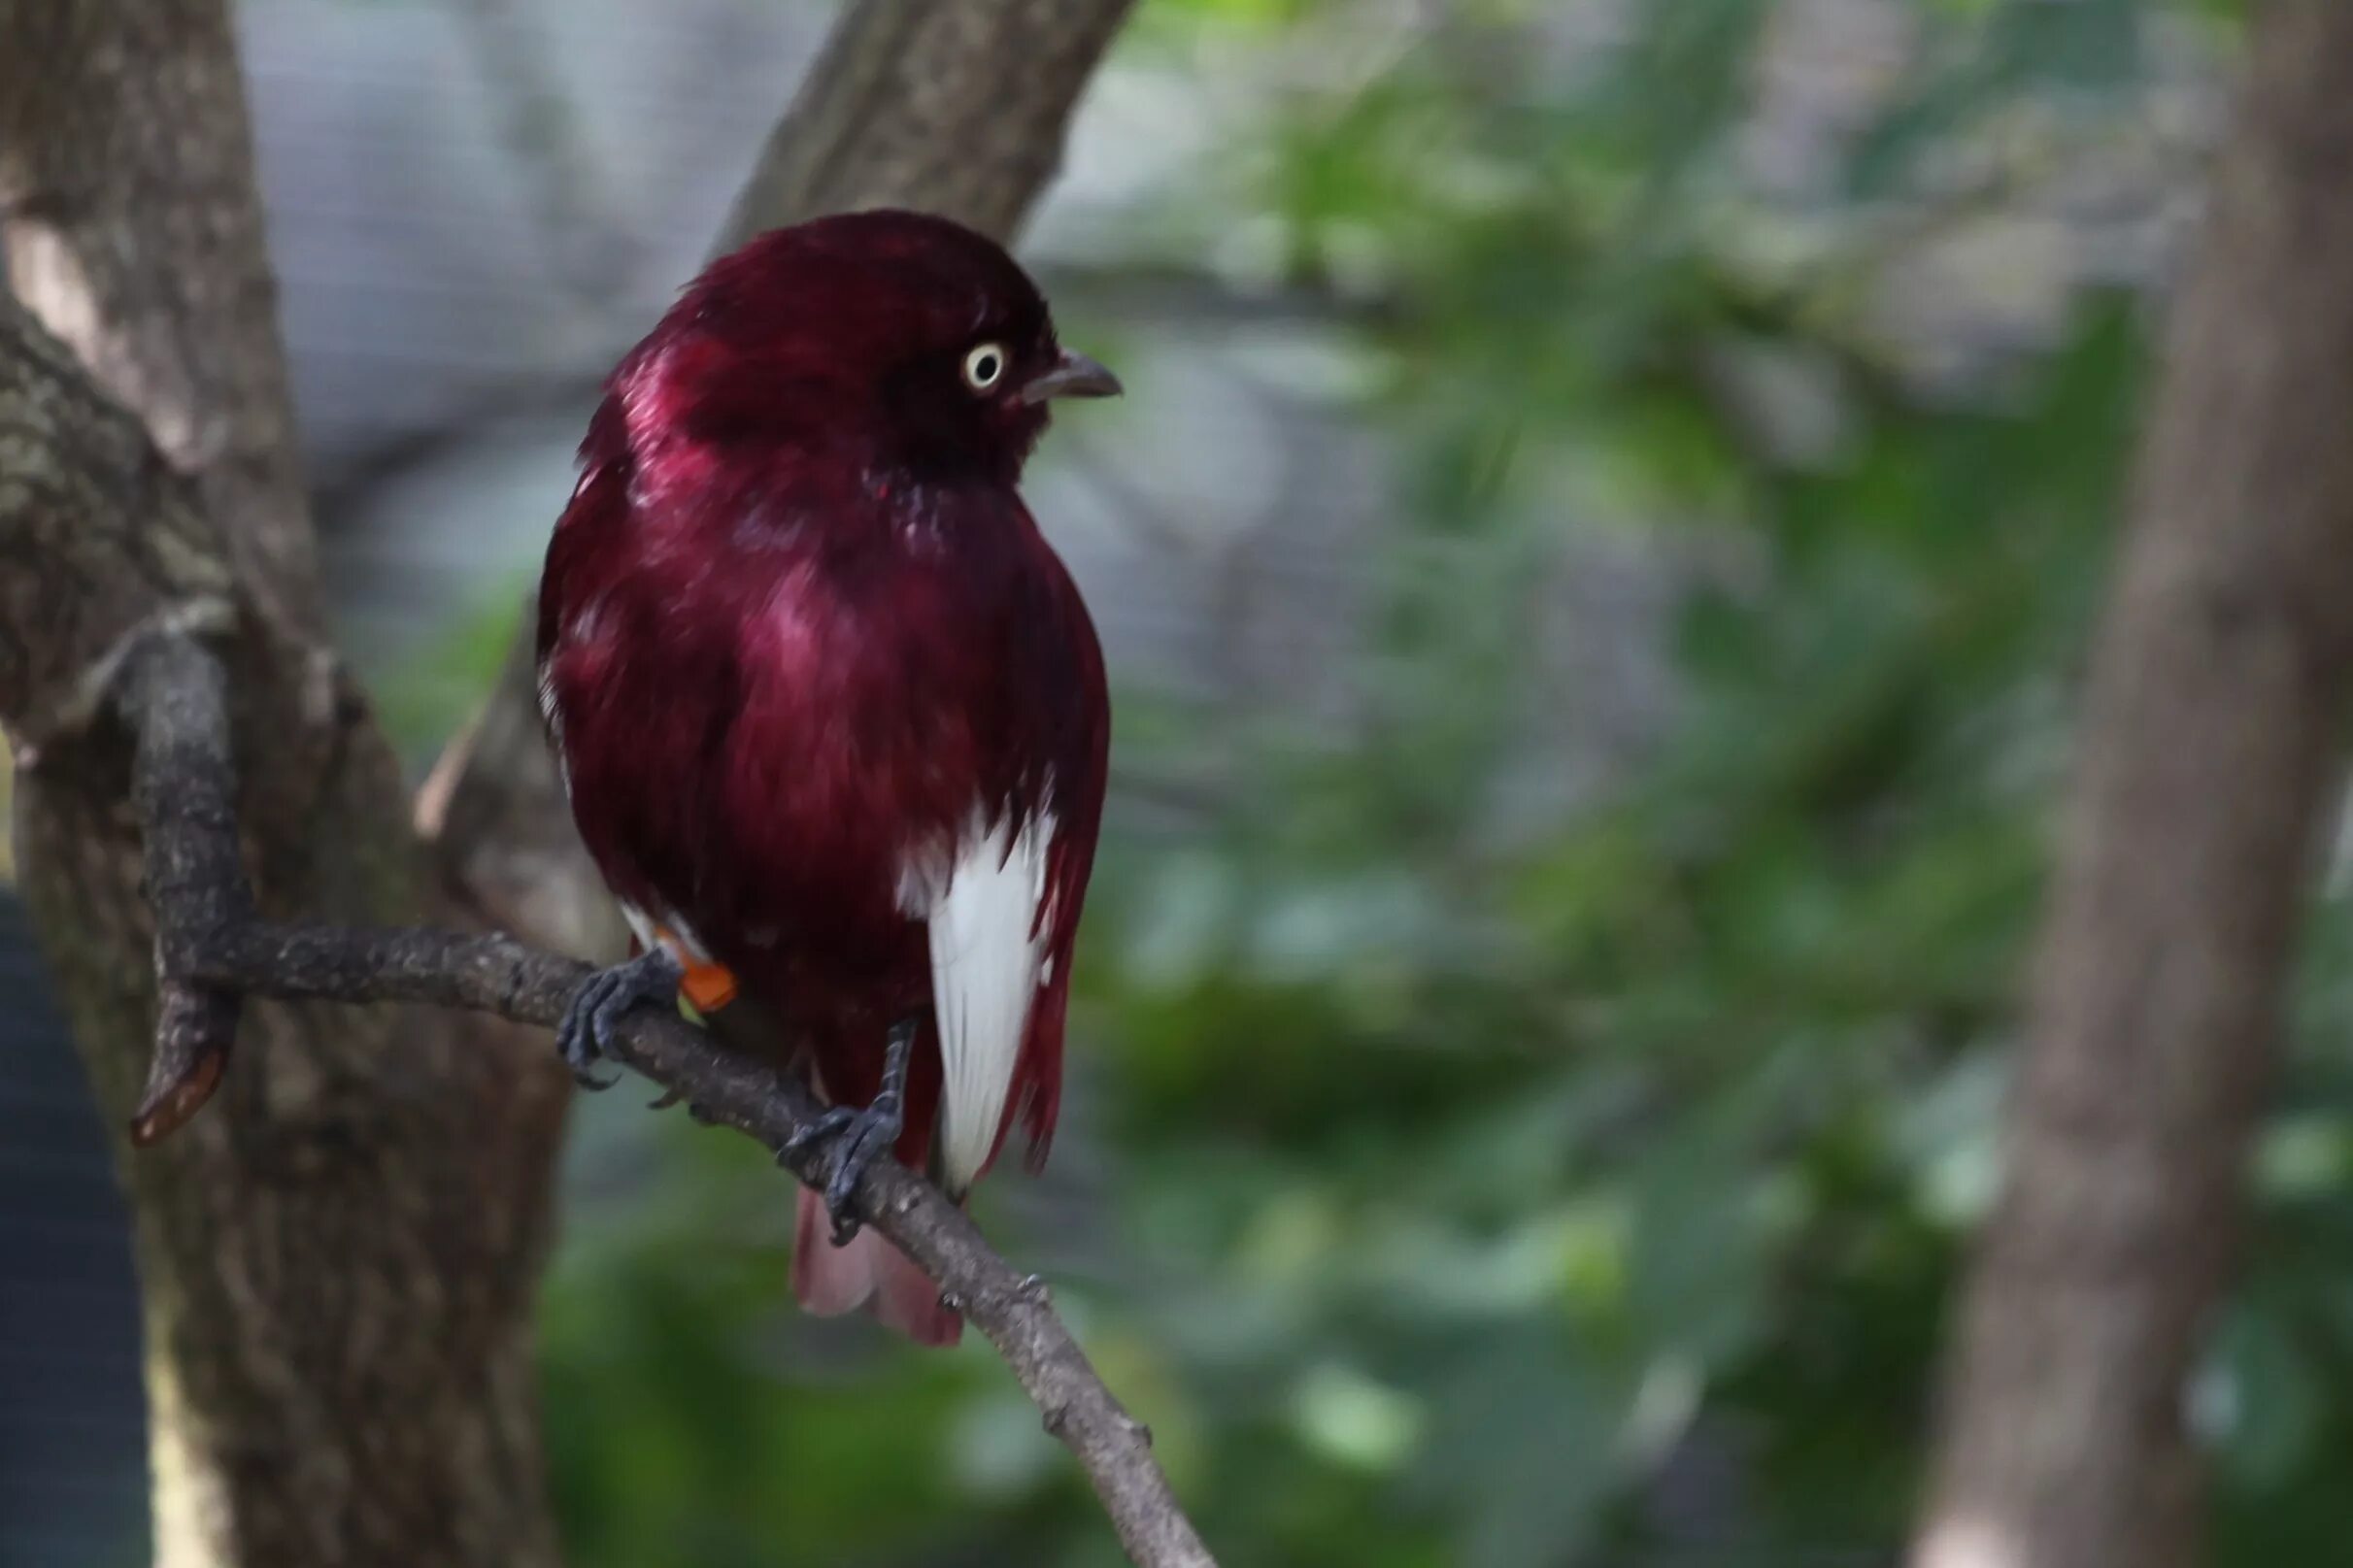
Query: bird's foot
pixel 586 1034
pixel 854 1139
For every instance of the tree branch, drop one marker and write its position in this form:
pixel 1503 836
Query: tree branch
pixel 212 950
pixel 956 109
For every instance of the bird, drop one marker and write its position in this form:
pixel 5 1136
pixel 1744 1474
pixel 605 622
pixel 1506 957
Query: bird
pixel 829 711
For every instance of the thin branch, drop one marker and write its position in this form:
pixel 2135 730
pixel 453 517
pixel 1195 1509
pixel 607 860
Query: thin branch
pixel 212 950
pixel 193 872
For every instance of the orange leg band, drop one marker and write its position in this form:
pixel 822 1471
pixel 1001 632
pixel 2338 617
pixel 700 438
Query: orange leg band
pixel 708 987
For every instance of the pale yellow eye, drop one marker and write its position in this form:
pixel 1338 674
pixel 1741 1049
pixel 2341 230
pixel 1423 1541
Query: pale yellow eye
pixel 985 366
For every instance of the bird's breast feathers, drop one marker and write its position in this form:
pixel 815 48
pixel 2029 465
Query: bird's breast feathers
pixel 824 732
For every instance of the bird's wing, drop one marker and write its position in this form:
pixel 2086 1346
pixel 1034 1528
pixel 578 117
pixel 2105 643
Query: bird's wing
pixel 1002 900
pixel 583 626
pixel 983 899
pixel 1081 747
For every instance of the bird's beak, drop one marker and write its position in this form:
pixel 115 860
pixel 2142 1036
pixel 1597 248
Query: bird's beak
pixel 1074 375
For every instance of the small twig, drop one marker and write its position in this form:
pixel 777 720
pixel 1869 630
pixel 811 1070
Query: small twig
pixel 212 950
pixel 193 872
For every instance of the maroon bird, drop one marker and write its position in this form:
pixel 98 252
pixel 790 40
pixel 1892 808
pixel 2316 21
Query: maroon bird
pixel 829 711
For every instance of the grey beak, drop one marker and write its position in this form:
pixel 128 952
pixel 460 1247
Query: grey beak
pixel 1074 375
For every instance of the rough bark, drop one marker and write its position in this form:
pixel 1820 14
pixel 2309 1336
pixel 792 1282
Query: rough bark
pixel 336 1263
pixel 2210 749
pixel 956 109
pixel 134 230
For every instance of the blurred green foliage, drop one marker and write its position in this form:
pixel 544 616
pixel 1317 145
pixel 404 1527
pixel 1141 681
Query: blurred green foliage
pixel 1589 1194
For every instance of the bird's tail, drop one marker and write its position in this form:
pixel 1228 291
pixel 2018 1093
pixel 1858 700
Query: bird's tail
pixel 869 1272
pixel 828 1280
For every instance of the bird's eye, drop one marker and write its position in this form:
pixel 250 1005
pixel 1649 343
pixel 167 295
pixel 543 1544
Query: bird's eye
pixel 985 367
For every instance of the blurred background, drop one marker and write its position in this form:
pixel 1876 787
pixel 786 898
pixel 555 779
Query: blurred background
pixel 1593 563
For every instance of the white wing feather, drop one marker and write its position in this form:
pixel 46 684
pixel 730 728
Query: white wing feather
pixel 983 907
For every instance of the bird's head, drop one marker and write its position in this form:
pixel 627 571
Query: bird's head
pixel 897 337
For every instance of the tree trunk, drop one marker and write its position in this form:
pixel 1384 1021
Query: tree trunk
pixel 337 1257
pixel 133 228
pixel 2208 759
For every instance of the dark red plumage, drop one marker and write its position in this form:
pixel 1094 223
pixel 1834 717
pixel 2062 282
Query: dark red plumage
pixel 810 669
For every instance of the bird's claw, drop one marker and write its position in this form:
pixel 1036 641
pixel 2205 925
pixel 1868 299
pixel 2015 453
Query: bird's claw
pixel 826 1125
pixel 586 1034
pixel 854 1140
